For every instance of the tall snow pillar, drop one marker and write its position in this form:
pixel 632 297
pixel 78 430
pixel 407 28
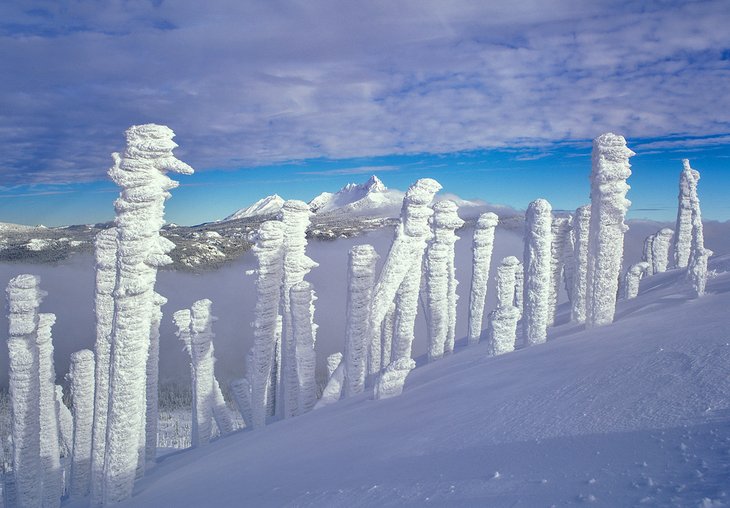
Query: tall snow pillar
pixel 609 205
pixel 81 375
pixel 105 250
pixel 361 279
pixel 660 248
pixel 502 329
pixel 24 298
pixel 304 332
pixel 151 420
pixel 400 278
pixel 633 278
pixel 683 238
pixel 560 231
pixel 268 250
pixel 581 226
pixel 697 265
pixel 140 172
pixel 648 252
pixel 441 279
pixel 50 453
pixel 295 216
pixel 203 366
pixel 537 261
pixel 482 258
pixel 568 258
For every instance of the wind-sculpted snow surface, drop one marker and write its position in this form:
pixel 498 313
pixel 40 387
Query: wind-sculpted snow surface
pixel 81 376
pixel 24 298
pixel 140 172
pixel 400 278
pixel 482 258
pixel 633 277
pixel 360 282
pixel 660 246
pixel 688 179
pixel 502 331
pixel 581 226
pixel 268 250
pixel 441 279
pixel 699 255
pixel 153 358
pixel 295 215
pixel 105 250
pixel 391 381
pixel 609 205
pixel 560 231
pixel 304 332
pixel 50 453
pixel 537 262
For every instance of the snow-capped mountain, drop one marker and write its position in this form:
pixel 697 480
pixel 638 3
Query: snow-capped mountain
pixel 266 206
pixel 371 198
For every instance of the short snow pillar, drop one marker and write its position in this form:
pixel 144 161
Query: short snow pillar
pixel 502 330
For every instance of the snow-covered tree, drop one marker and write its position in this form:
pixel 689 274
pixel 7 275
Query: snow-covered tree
pixel 441 279
pixel 333 390
pixel 633 278
pixel 333 361
pixel 268 250
pixel 387 331
pixel 609 205
pixel 482 247
pixel 24 298
pixel 201 350
pixel 519 287
pixel 560 241
pixel 502 329
pixel 537 262
pixel 81 376
pixel 152 397
pixel 391 381
pixel 648 252
pixel 140 172
pixel 295 216
pixel 50 453
pixel 241 389
pixel 699 254
pixel 304 332
pixel 568 259
pixel 660 247
pixel 105 250
pixel 683 238
pixel 360 281
pixel 65 423
pixel 400 278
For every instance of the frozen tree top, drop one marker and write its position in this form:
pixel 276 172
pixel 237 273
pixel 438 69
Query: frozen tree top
pixel 151 141
pixel 510 261
pixel 445 215
pixel 612 154
pixel 487 220
pixel 422 191
pixel 24 294
pixel 415 207
pixel 541 206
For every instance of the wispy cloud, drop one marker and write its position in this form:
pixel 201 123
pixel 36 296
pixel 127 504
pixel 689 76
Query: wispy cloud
pixel 370 170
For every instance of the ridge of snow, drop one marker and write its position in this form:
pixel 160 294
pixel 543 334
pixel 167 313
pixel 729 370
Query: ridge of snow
pixel 269 205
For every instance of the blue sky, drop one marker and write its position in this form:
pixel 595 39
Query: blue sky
pixel 496 100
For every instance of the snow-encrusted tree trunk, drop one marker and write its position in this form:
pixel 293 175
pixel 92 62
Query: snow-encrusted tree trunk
pixel 140 172
pixel 560 232
pixel 333 390
pixel 697 265
pixel 660 248
pixel 568 259
pixel 581 226
pixel 50 453
pixel 153 358
pixel 400 278
pixel 519 287
pixel 502 329
pixel 295 216
pixel 203 363
pixel 648 252
pixel 482 247
pixel 683 230
pixel 537 261
pixel 361 279
pixel 333 361
pixel 241 389
pixel 387 331
pixel 24 298
pixel 105 250
pixel 65 423
pixel 81 375
pixel 391 381
pixel 441 279
pixel 633 278
pixel 221 412
pixel 268 250
pixel 304 332
pixel 611 168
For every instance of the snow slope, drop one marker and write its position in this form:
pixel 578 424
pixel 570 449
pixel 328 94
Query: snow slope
pixel 369 198
pixel 636 413
pixel 264 206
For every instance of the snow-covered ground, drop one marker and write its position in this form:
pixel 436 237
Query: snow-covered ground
pixel 636 413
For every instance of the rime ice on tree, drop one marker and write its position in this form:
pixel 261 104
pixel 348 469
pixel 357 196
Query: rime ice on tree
pixel 241 389
pixel 633 278
pixel 697 267
pixel 304 332
pixel 683 238
pixel 648 252
pixel 81 375
pixel 482 257
pixel 560 231
pixel 140 172
pixel 568 260
pixel 360 277
pixel 333 361
pixel 268 250
pixel 441 279
pixel 50 453
pixel 65 423
pixel 537 262
pixel 502 330
pixel 391 381
pixel 660 247
pixel 24 298
pixel 609 205
pixel 153 358
pixel 400 278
